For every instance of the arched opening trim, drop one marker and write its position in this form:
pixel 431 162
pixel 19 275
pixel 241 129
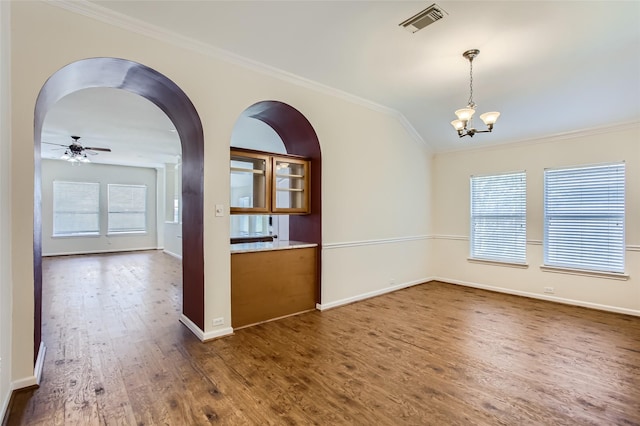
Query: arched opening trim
pixel 150 84
pixel 299 138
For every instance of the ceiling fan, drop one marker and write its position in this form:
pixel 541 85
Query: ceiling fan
pixel 76 152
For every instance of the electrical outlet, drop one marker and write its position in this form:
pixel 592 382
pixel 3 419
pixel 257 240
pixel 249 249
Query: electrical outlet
pixel 549 290
pixel 218 321
pixel 392 281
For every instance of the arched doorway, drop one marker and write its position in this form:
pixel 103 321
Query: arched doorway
pixel 166 95
pixel 299 138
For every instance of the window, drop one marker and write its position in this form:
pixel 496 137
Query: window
pixel 176 210
pixel 498 217
pixel 127 208
pixel 76 208
pixel 248 226
pixel 584 217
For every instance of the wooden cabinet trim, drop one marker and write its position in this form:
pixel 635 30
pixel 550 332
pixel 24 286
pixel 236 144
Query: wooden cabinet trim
pixel 306 208
pixel 270 184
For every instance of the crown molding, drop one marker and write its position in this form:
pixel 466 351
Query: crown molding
pixel 592 131
pixel 111 17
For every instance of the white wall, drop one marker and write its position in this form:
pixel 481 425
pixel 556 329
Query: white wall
pixel 160 207
pixel 172 230
pixel 451 206
pixel 251 133
pixel 5 210
pixel 376 177
pixel 376 212
pixel 173 239
pixel 57 170
pixel 376 208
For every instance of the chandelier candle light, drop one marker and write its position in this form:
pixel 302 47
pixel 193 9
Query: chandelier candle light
pixel 464 123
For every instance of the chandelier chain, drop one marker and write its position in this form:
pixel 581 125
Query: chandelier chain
pixel 470 103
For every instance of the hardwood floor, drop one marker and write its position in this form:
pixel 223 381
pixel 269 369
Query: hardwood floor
pixel 433 354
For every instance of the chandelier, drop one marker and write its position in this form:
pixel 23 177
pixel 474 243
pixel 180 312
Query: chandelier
pixel 464 123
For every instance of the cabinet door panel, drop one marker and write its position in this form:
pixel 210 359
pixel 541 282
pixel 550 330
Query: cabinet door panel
pixel 291 186
pixel 250 178
pixel 271 284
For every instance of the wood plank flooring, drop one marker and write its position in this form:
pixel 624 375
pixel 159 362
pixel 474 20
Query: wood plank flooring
pixel 433 354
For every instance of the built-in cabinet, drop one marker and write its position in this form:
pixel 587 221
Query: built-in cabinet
pixel 270 278
pixel 271 281
pixel 263 183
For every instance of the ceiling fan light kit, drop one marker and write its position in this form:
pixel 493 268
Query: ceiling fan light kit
pixel 74 154
pixel 464 123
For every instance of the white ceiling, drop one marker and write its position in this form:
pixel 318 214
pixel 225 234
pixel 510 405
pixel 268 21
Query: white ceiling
pixel 549 67
pixel 136 130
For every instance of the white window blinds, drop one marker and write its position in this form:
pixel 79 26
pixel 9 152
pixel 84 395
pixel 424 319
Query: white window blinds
pixel 584 217
pixel 127 208
pixel 498 217
pixel 76 208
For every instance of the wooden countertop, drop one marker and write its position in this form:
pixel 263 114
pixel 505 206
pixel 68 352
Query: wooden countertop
pixel 268 246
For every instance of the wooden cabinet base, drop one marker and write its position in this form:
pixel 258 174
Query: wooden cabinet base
pixel 266 285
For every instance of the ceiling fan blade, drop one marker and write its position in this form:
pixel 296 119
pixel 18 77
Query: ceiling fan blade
pixel 59 144
pixel 98 149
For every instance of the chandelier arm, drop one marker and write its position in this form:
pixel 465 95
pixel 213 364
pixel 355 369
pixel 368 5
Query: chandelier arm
pixel 472 132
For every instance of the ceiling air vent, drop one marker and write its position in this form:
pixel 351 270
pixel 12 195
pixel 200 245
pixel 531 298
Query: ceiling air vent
pixel 420 20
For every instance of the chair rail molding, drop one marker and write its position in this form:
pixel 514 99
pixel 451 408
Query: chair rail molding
pixel 380 241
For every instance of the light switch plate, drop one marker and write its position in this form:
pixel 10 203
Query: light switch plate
pixel 219 210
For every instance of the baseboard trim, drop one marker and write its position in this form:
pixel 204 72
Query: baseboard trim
pixel 172 254
pixel 39 367
pixel 5 406
pixel 216 334
pixel 34 380
pixel 205 337
pixel 10 401
pixel 73 253
pixel 370 294
pixel 580 303
pixel 556 299
pixel 192 326
pixel 25 383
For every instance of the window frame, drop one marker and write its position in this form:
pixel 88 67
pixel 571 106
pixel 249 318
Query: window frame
pixel 145 212
pixel 614 217
pixel 92 233
pixel 507 222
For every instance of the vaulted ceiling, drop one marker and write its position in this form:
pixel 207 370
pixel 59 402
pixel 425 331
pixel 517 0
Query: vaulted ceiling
pixel 549 67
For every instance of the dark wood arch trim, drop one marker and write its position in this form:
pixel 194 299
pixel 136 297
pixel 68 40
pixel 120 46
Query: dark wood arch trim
pixel 150 84
pixel 299 138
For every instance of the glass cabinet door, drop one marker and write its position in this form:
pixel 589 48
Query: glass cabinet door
pixel 250 175
pixel 291 186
